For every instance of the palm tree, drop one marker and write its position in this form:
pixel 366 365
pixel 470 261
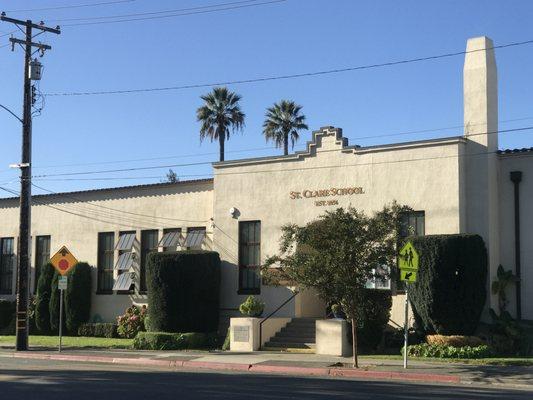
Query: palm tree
pixel 220 113
pixel 283 119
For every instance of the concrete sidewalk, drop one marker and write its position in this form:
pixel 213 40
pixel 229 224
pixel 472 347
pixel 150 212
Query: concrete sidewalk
pixel 297 364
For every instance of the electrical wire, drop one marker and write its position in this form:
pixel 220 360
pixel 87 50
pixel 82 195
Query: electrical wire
pixel 290 76
pixel 236 7
pixel 72 6
pixel 210 162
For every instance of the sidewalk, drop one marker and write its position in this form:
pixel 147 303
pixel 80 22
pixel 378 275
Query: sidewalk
pixel 297 364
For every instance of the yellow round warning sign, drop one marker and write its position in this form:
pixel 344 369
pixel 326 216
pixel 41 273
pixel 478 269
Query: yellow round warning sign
pixel 63 261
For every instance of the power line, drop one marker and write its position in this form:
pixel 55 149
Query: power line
pixel 236 7
pixel 210 162
pixel 290 76
pixel 73 6
pixel 114 209
pixel 156 12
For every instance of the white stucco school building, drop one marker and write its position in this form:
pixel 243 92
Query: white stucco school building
pixel 460 184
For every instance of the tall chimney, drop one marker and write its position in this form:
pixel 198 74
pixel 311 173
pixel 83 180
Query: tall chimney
pixel 480 90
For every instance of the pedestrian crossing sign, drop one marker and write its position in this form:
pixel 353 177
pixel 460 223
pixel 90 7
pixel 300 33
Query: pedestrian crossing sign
pixel 408 258
pixel 407 275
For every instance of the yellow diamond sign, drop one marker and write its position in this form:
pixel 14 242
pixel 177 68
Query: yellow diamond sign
pixel 408 258
pixel 407 275
pixel 63 261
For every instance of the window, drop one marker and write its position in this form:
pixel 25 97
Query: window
pixel 42 256
pixel 171 239
pixel 249 257
pixel 7 263
pixel 195 238
pixel 381 279
pixel 412 223
pixel 148 245
pixel 106 256
pixel 126 244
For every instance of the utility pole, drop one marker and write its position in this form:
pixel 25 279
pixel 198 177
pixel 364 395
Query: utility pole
pixel 23 259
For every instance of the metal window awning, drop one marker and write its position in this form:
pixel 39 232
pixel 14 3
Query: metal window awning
pixel 125 261
pixel 170 239
pixel 123 282
pixel 126 241
pixel 194 238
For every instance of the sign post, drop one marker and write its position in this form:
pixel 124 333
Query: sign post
pixel 63 261
pixel 408 263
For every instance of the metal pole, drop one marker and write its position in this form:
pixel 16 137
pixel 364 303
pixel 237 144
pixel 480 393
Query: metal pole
pixel 25 207
pixel 406 327
pixel 60 317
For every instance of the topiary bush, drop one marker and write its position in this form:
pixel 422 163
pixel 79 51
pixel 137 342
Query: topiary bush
pixel 53 306
pixel 183 291
pixel 170 341
pixel 78 297
pixel 107 330
pixel 42 299
pixel 450 292
pixel 455 340
pixel 443 351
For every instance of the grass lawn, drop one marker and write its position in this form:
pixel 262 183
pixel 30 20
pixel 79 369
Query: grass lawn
pixel 473 361
pixel 71 341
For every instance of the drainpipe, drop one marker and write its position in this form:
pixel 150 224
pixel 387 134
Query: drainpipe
pixel 516 178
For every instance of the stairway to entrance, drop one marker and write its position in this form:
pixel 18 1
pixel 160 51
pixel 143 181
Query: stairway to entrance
pixel 299 333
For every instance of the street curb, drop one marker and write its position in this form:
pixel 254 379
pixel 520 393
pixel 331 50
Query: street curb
pixel 254 368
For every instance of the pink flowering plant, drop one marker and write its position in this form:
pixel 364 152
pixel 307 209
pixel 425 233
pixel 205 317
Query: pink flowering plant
pixel 132 322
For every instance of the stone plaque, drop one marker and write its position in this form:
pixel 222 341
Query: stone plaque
pixel 241 334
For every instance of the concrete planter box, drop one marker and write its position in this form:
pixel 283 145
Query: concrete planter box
pixel 244 332
pixel 332 337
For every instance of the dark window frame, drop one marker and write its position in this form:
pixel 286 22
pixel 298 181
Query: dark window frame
pixel 145 251
pixel 247 267
pixel 103 271
pixel 6 273
pixel 41 257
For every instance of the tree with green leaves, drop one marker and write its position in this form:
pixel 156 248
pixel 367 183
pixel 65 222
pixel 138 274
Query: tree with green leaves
pixel 336 255
pixel 283 122
pixel 220 115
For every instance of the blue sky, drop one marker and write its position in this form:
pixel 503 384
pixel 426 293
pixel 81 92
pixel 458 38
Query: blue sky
pixel 288 37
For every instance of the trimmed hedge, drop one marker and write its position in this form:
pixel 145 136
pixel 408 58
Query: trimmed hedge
pixel 77 299
pixel 443 351
pixel 183 291
pixel 450 293
pixel 170 341
pixel 107 330
pixel 375 314
pixel 7 317
pixel 44 291
pixel 455 340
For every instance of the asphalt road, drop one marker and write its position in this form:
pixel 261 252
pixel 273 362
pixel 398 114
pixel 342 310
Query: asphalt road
pixel 51 380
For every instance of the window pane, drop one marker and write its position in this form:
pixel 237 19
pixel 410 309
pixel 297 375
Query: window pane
pixel 249 256
pixel 106 245
pixel 42 256
pixel 149 243
pixel 7 260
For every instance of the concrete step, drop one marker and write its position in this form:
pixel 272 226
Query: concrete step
pixel 286 345
pixel 296 332
pixel 295 339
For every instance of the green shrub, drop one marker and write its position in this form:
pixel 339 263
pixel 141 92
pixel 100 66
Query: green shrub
pixel 183 291
pixel 7 316
pixel 252 307
pixel 78 297
pixel 443 351
pixel 170 341
pixel 373 318
pixel 42 305
pixel 53 306
pixel 455 340
pixel 131 322
pixel 450 293
pixel 107 330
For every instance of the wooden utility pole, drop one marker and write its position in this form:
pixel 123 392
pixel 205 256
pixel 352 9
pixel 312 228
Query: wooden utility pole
pixel 23 251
